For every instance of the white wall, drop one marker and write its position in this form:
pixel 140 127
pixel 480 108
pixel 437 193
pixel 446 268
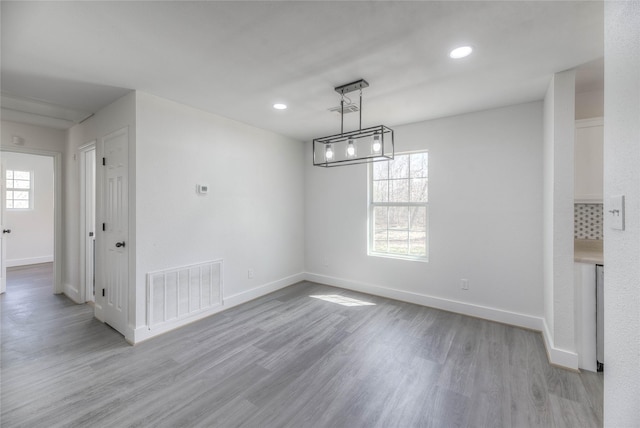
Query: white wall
pixel 35 137
pixel 485 194
pixel 547 209
pixel 622 248
pixel 31 238
pixel 558 213
pixel 589 104
pixel 252 217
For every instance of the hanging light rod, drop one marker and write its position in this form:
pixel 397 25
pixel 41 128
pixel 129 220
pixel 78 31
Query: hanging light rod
pixel 367 145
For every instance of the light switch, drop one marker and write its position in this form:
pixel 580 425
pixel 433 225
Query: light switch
pixel 615 211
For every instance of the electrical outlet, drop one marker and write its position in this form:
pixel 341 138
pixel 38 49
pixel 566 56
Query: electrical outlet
pixel 325 262
pixel 464 284
pixel 250 273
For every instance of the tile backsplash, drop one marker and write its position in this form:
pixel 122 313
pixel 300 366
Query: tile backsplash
pixel 587 221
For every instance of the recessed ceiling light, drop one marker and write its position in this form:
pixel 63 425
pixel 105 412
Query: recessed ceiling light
pixel 461 52
pixel 279 106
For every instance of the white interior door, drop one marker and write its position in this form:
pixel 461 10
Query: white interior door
pixel 3 247
pixel 89 202
pixel 3 266
pixel 116 229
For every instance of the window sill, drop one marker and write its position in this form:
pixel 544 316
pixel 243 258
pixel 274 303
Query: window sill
pixel 399 257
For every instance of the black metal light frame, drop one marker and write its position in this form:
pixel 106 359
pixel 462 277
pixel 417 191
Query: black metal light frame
pixel 387 148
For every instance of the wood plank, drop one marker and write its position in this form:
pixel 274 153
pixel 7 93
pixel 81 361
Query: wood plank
pixel 283 360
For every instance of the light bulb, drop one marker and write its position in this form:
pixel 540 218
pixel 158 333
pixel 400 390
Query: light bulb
pixel 376 146
pixel 328 152
pixel 351 148
pixel 461 52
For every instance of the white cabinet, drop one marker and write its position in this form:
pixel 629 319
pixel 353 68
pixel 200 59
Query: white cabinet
pixel 588 161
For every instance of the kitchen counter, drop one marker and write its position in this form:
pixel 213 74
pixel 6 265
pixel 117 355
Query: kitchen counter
pixel 588 251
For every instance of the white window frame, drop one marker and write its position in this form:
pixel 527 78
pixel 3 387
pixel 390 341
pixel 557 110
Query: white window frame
pixel 15 189
pixel 373 205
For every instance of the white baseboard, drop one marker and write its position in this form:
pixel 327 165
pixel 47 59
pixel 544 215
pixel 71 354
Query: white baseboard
pixel 484 312
pixel 254 293
pixel 139 334
pixel 558 357
pixel 28 261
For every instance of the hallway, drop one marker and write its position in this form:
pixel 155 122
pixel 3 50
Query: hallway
pixel 32 314
pixel 43 334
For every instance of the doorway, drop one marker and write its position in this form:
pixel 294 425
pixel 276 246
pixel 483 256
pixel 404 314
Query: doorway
pixel 28 205
pixel 87 155
pixel 21 240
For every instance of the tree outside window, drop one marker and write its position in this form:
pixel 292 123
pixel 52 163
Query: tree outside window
pixel 398 207
pixel 19 186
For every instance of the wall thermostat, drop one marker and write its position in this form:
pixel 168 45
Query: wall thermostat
pixel 202 189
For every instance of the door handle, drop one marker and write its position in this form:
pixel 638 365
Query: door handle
pixel 6 230
pixel 120 244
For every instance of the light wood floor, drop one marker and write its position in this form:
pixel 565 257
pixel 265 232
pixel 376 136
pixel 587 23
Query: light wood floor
pixel 284 360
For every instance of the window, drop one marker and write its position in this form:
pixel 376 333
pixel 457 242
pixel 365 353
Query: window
pixel 398 207
pixel 19 185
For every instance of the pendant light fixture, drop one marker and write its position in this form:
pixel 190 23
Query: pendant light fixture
pixel 354 147
pixel 351 148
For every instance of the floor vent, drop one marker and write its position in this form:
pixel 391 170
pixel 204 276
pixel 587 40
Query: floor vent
pixel 178 293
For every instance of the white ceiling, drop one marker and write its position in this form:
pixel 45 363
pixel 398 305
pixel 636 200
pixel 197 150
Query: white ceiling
pixel 237 59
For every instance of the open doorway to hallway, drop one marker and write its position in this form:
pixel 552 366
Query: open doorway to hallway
pixel 27 209
pixel 19 183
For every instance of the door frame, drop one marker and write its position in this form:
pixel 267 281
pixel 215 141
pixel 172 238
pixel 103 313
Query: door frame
pixel 57 209
pixel 3 239
pixel 82 150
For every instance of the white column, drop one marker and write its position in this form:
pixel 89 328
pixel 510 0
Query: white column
pixel 622 247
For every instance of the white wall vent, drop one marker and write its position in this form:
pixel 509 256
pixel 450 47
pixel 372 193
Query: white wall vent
pixel 184 292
